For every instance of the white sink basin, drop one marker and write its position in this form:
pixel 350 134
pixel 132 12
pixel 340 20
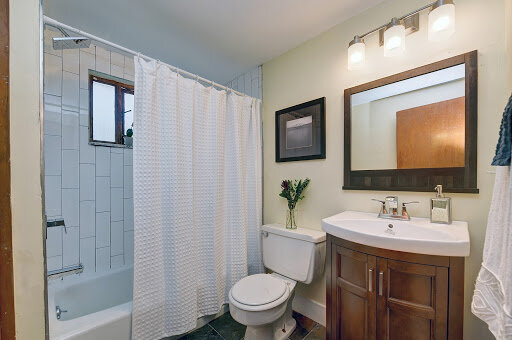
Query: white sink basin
pixel 415 236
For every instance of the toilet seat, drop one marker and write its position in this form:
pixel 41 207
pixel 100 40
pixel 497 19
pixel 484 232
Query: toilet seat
pixel 259 292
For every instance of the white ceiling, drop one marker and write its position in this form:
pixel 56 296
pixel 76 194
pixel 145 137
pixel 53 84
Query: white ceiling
pixel 217 39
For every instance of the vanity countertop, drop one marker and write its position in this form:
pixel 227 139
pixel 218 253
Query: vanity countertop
pixel 418 235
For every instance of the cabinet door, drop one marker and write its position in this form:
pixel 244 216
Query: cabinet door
pixel 412 301
pixel 353 293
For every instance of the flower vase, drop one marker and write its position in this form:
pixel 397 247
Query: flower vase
pixel 290 219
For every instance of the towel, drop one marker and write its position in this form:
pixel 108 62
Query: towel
pixel 492 299
pixel 503 149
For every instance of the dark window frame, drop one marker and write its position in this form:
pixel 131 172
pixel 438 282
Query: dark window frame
pixel 120 89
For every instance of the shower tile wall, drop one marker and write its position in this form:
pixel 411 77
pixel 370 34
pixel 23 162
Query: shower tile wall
pixel 248 83
pixel 90 186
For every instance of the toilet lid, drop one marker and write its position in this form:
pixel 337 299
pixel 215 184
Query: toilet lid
pixel 258 289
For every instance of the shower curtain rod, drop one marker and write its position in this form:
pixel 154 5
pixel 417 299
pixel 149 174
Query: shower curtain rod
pixel 55 23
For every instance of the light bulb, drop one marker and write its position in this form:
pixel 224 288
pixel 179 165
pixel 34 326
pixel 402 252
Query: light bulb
pixel 441 20
pixel 394 39
pixel 356 54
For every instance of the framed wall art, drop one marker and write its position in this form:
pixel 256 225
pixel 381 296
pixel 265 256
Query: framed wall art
pixel 300 132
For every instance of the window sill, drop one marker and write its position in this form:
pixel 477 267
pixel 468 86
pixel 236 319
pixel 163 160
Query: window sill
pixel 111 145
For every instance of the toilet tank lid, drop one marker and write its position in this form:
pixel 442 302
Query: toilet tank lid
pixel 309 235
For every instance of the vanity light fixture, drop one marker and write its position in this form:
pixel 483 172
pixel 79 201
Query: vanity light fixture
pixel 441 20
pixel 441 25
pixel 394 38
pixel 356 53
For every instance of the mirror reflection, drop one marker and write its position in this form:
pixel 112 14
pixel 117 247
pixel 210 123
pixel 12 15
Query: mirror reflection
pixel 411 124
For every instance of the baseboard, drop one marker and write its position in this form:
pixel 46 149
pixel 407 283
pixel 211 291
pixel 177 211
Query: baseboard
pixel 310 308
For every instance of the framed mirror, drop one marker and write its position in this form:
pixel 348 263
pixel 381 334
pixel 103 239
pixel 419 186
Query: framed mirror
pixel 414 130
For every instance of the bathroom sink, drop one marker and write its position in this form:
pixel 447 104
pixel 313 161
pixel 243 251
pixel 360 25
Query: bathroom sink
pixel 415 236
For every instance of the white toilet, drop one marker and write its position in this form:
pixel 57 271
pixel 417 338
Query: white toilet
pixel 263 302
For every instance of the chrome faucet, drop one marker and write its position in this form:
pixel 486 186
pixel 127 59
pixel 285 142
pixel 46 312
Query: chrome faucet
pixel 59 311
pixel 389 208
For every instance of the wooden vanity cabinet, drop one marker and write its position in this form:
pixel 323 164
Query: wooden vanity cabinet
pixel 374 293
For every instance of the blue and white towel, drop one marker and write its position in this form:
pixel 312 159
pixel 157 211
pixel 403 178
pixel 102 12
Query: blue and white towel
pixel 492 299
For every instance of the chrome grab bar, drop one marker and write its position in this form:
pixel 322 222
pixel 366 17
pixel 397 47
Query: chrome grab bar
pixel 58 273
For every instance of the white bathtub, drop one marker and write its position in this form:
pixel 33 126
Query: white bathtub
pixel 99 306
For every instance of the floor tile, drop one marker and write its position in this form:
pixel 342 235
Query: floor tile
pixel 204 333
pixel 304 321
pixel 228 327
pixel 299 333
pixel 318 333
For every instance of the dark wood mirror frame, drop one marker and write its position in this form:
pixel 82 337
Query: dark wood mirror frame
pixel 460 179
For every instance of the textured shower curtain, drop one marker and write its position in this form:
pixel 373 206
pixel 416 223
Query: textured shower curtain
pixel 197 198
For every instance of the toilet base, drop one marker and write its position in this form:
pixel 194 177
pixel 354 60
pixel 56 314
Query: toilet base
pixel 280 329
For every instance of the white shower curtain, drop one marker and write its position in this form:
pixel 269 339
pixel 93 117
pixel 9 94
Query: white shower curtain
pixel 197 198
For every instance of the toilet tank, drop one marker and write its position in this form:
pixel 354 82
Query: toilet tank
pixel 298 254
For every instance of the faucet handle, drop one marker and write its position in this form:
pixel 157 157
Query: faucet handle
pixel 383 210
pixel 404 209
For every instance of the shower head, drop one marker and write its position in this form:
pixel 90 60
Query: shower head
pixel 65 43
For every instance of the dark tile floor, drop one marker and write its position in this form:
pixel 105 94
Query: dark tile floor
pixel 225 328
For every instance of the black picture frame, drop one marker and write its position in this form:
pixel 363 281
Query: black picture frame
pixel 454 180
pixel 316 135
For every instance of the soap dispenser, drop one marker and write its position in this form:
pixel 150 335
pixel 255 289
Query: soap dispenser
pixel 440 207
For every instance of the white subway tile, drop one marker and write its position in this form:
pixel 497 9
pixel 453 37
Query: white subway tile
pixel 117 59
pixel 52 115
pixel 52 74
pixel 91 49
pixel 52 155
pixel 88 254
pixel 87 62
pixel 70 92
pixel 71 60
pixel 129 67
pixel 128 247
pixel 53 196
pixel 128 181
pixel 116 204
pixel 102 259
pixel 71 247
pixel 70 130
pixel 129 77
pixel 102 194
pixel 102 161
pixel 71 207
pixel 128 157
pixel 103 230
pixel 84 107
pixel 116 71
pixel 128 214
pixel 87 182
pixel 116 242
pixel 87 151
pixel 87 219
pixel 116 168
pixel 49 34
pixel 116 261
pixel 54 263
pixel 70 169
pixel 102 60
pixel 54 241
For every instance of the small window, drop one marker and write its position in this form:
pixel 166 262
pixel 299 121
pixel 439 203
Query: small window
pixel 110 109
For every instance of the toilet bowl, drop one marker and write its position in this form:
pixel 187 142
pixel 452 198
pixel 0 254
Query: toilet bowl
pixel 263 302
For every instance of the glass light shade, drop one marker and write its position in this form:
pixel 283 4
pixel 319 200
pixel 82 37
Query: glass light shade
pixel 356 56
pixel 441 22
pixel 394 41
